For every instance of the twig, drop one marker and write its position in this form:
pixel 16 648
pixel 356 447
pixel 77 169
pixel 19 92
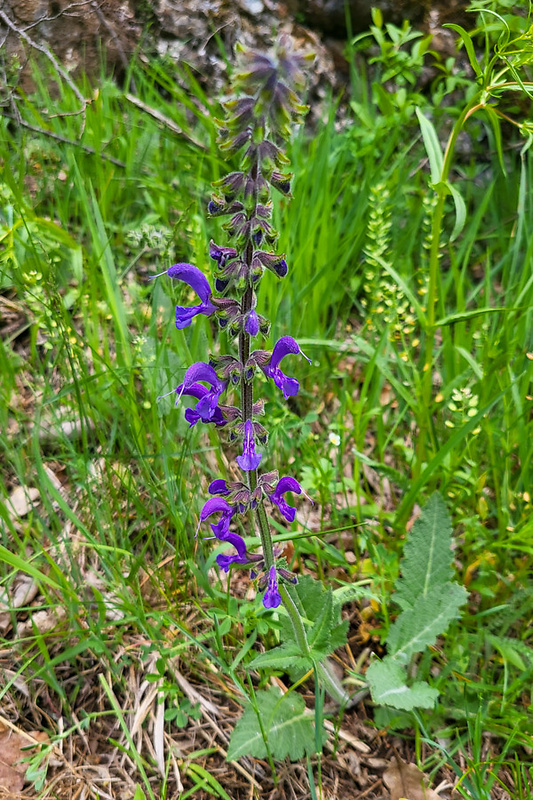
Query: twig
pixel 41 48
pixel 64 140
pixel 62 13
pixel 170 124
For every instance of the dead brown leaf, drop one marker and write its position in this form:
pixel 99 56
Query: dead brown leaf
pixel 407 782
pixel 11 753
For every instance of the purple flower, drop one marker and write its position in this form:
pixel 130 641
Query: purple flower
pixel 221 254
pixel 241 556
pixel 207 406
pixel 191 414
pixel 282 348
pixel 214 506
pixel 218 486
pixel 272 597
pixel 251 325
pixel 284 485
pixel 196 279
pixel 249 459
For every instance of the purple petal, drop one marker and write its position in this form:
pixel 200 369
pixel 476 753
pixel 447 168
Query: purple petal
pixel 224 562
pixel 282 348
pixel 184 315
pixel 221 254
pixel 218 486
pixel 214 505
pixel 250 459
pixel 272 597
pixel 287 484
pixel 237 542
pixel 200 372
pixel 193 277
pixel 251 325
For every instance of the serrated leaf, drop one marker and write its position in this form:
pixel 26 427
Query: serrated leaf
pixel 387 681
pixel 319 635
pixel 418 627
pixel 309 592
pixel 286 656
pixel 289 729
pixel 427 556
pixel 338 636
pixel 321 613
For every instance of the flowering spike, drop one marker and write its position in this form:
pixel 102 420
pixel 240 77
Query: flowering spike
pixel 256 121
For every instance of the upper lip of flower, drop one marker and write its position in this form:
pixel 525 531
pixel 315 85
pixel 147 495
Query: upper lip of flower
pixel 196 279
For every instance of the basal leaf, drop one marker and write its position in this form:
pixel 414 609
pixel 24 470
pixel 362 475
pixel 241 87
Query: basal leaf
pixel 319 635
pixel 288 727
pixel 419 626
pixel 427 556
pixel 286 656
pixel 338 636
pixel 387 681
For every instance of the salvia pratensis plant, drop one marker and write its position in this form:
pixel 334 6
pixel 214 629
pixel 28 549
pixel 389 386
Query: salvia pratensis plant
pixel 263 107
pixel 258 122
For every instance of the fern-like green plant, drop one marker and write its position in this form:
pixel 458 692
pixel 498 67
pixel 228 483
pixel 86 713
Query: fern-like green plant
pixel 429 601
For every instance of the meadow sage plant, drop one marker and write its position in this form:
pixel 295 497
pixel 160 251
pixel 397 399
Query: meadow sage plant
pixel 263 107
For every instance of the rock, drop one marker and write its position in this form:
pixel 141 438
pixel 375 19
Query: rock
pixel 329 16
pixel 74 32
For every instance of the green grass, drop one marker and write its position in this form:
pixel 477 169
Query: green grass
pixel 109 540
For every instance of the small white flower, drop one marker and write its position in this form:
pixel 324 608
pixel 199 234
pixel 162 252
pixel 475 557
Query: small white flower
pixel 335 439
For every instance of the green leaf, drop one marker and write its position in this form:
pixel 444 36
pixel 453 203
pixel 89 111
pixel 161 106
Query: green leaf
pixel 286 656
pixel 25 566
pixel 460 212
pixel 495 122
pixel 427 555
pixel 139 794
pixel 319 635
pixel 338 636
pixel 419 626
pixel 469 47
pixel 387 681
pixel 287 725
pixel 432 145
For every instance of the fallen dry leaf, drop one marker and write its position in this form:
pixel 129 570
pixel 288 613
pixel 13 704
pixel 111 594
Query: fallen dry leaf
pixel 12 771
pixel 407 782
